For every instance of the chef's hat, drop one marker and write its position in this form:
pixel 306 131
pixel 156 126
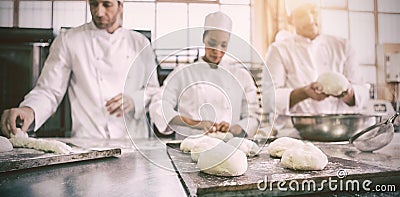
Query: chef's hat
pixel 218 20
pixel 291 5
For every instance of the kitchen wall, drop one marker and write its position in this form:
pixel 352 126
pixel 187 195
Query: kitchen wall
pixel 367 23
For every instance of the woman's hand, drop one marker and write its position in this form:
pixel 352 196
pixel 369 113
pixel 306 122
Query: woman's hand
pixel 221 127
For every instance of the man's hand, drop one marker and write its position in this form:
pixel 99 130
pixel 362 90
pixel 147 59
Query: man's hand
pixel 9 118
pixel 119 105
pixel 314 91
pixel 348 97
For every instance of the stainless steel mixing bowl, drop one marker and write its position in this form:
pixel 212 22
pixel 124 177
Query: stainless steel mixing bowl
pixel 332 127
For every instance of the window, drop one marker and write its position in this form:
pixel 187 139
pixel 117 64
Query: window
pixel 6 13
pixel 35 14
pixel 355 20
pixel 68 14
pixel 159 16
pixel 156 15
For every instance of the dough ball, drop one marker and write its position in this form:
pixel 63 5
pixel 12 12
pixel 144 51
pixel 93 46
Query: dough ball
pixel 204 144
pixel 306 157
pixel 5 144
pixel 248 147
pixel 223 160
pixel 188 143
pixel 280 145
pixel 226 136
pixel 333 83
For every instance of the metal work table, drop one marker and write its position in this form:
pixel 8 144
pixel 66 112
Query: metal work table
pixel 131 174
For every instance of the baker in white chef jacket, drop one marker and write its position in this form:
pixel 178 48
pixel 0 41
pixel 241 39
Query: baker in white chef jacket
pixel 296 62
pixel 91 62
pixel 209 95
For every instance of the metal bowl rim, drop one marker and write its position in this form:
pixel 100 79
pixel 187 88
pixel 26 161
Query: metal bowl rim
pixel 352 115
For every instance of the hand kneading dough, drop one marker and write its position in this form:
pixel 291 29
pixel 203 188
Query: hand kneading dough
pixel 5 144
pixel 248 147
pixel 188 143
pixel 280 145
pixel 223 160
pixel 226 136
pixel 333 83
pixel 22 140
pixel 203 145
pixel 306 157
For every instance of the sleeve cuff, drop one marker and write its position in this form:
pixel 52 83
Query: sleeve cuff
pixel 161 115
pixel 282 100
pixel 38 120
pixel 138 102
pixel 361 95
pixel 250 125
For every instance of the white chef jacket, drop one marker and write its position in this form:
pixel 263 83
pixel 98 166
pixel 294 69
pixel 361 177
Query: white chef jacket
pixel 93 65
pixel 298 61
pixel 197 91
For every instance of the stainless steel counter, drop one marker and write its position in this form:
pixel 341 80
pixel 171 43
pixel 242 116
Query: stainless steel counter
pixel 131 174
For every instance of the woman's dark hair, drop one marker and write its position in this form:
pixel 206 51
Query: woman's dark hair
pixel 205 34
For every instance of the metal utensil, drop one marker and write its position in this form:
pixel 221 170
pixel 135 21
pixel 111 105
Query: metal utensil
pixel 376 136
pixel 331 127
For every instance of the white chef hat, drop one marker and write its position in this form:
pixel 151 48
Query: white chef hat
pixel 218 20
pixel 291 5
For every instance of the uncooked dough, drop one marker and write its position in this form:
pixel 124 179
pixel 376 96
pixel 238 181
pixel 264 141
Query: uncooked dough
pixel 223 160
pixel 5 144
pixel 21 140
pixel 280 145
pixel 248 147
pixel 188 143
pixel 204 144
pixel 333 83
pixel 226 136
pixel 306 157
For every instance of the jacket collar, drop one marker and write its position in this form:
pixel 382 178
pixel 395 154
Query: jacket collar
pixel 102 32
pixel 305 40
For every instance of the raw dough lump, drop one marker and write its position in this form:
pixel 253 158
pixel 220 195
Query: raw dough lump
pixel 333 83
pixel 21 140
pixel 203 145
pixel 188 143
pixel 226 136
pixel 223 160
pixel 248 147
pixel 306 157
pixel 280 145
pixel 5 144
